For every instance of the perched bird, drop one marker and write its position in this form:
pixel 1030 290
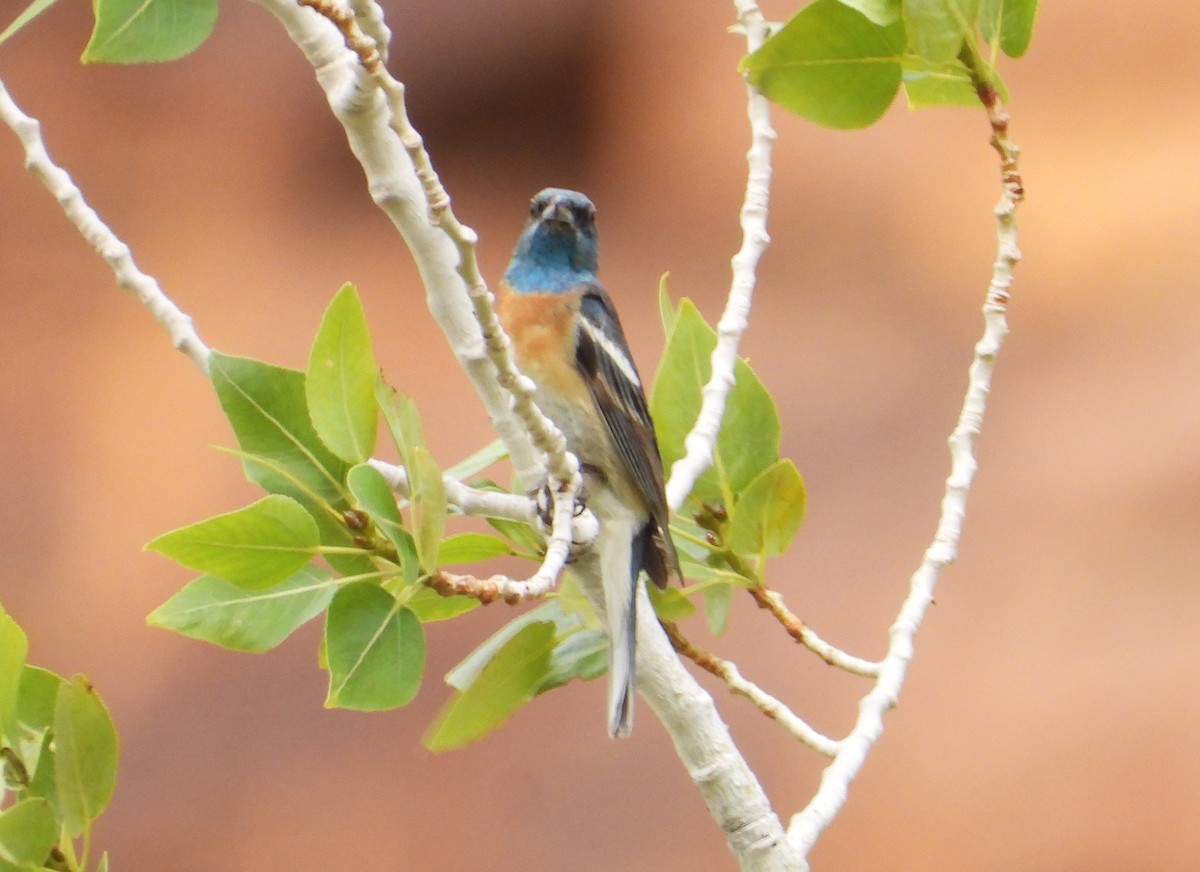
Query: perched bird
pixel 567 338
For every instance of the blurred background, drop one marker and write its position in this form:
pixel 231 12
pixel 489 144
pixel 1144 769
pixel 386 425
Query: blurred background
pixel 1051 714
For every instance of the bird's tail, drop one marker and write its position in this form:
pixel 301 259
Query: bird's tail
pixel 621 565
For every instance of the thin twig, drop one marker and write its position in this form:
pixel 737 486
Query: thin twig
pixel 806 826
pixel 100 236
pixel 700 443
pixel 369 15
pixel 464 498
pixel 806 636
pixel 727 671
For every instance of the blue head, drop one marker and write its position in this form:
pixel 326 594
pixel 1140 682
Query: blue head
pixel 557 249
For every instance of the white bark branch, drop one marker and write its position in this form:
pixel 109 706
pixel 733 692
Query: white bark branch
pixel 806 636
pixel 100 236
pixel 772 707
pixel 734 796
pixel 468 500
pixel 806 826
pixel 370 105
pixel 702 440
pixel 369 16
pixel 362 109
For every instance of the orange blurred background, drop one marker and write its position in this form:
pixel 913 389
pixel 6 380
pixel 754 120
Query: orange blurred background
pixel 1051 715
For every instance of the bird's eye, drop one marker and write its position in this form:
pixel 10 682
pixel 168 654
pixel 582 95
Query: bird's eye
pixel 535 208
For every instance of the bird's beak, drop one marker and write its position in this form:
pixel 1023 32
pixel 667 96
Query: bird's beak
pixel 556 211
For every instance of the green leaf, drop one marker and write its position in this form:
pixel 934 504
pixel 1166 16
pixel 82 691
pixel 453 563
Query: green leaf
pixel 486 456
pixel 402 419
pixel 429 605
pixel 666 311
pixel 38 696
pixel 749 438
pixel 936 28
pixel 212 609
pixel 883 12
pixel 465 673
pixel 718 600
pixel 427 490
pixel 102 866
pixel 427 500
pixel 574 606
pixel 333 525
pixel 374 496
pixel 769 511
pixel 42 781
pixel 576 654
pixel 85 754
pixel 1008 23
pixel 375 648
pixel 471 548
pixel 255 547
pixel 582 654
pixel 670 604
pixel 507 682
pixel 28 830
pixel 138 31
pixel 34 718
pixel 268 410
pixel 522 535
pixel 32 11
pixel 929 84
pixel 687 530
pixel 14 647
pixel 706 575
pixel 830 64
pixel 340 382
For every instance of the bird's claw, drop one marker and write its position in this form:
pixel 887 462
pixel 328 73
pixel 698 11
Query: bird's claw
pixel 544 497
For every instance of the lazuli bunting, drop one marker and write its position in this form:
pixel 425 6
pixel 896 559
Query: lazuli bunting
pixel 567 338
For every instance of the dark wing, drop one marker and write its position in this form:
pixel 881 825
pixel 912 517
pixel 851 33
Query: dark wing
pixel 604 359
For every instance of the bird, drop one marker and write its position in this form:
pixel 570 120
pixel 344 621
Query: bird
pixel 567 338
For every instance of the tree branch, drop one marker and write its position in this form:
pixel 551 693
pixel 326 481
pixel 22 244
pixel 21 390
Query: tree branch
pixel 732 792
pixel 468 500
pixel 701 441
pixel 807 825
pixel 363 84
pixel 728 672
pixel 100 236
pixel 362 109
pixel 806 636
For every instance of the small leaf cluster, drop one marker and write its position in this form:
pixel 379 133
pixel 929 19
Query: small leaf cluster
pixel 58 762
pixel 840 63
pixel 329 537
pixel 750 503
pixel 305 438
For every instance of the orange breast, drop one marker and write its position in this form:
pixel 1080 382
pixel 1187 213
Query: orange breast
pixel 542 328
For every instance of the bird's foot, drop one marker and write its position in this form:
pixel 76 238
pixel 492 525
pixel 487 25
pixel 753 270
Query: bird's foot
pixel 582 532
